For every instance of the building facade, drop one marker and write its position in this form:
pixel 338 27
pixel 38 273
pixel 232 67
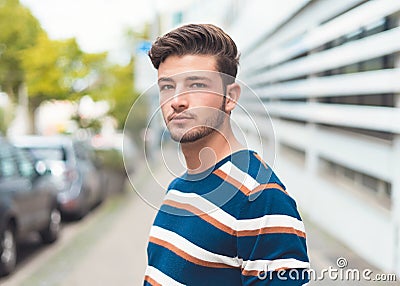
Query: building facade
pixel 328 73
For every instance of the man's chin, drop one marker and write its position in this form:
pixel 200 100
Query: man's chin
pixel 185 139
pixel 191 137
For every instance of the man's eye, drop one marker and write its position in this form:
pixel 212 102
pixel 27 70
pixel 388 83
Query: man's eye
pixel 166 87
pixel 198 85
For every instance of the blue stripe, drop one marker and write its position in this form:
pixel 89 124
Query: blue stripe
pixel 189 273
pixel 272 246
pixel 287 278
pixel 269 202
pixel 197 231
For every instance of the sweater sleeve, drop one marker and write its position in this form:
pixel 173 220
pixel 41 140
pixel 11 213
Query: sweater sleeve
pixel 273 248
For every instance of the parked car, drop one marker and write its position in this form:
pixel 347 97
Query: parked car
pixel 28 202
pixel 73 165
pixel 117 151
pixel 119 158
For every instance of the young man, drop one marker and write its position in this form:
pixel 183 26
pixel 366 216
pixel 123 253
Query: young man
pixel 228 220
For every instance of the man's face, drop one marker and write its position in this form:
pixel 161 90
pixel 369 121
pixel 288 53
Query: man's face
pixel 191 96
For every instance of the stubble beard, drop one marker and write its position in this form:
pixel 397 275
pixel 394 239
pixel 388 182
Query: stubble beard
pixel 210 126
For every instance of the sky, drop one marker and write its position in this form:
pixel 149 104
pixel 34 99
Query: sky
pixel 98 25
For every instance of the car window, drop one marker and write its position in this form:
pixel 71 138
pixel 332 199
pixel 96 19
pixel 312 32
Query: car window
pixel 8 167
pixel 56 154
pixel 25 164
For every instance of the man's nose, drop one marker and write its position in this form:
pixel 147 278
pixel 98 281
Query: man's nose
pixel 180 101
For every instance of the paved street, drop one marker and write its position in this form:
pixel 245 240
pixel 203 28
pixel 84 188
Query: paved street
pixel 109 246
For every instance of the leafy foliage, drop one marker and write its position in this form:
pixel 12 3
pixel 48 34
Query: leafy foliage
pixel 19 30
pixel 5 118
pixel 122 91
pixel 59 69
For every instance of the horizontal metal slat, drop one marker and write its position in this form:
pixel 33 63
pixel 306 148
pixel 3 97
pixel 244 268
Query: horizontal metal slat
pixel 372 82
pixel 357 153
pixel 349 22
pixel 385 119
pixel 295 27
pixel 262 24
pixel 368 48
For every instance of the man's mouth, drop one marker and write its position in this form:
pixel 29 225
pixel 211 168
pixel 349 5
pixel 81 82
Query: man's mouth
pixel 179 118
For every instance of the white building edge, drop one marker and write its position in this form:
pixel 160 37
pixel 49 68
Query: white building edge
pixel 328 72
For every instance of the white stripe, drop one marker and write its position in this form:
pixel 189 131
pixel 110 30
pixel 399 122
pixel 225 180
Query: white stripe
pixel 203 205
pixel 192 249
pixel 160 277
pixel 234 172
pixel 272 265
pixel 270 221
pixel 225 218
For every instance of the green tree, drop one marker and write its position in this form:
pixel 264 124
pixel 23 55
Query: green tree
pixel 121 91
pixel 19 30
pixel 59 69
pixel 5 118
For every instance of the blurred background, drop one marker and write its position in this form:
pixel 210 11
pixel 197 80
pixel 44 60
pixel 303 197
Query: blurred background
pixel 327 71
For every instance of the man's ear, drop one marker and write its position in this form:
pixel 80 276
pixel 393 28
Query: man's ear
pixel 232 96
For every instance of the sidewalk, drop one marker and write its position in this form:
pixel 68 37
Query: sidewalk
pixel 119 256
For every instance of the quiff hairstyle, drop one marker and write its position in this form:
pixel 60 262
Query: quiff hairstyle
pixel 198 39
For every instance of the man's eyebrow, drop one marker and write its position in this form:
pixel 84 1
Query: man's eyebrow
pixel 196 77
pixel 167 79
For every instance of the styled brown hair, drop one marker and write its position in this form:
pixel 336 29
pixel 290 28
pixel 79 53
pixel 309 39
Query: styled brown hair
pixel 198 39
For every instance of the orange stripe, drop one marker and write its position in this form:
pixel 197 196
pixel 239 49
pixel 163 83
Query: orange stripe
pixel 263 187
pixel 257 272
pixel 151 281
pixel 229 230
pixel 261 160
pixel 272 229
pixel 187 256
pixel 243 188
pixel 232 181
pixel 202 215
pixel 251 272
pixel 184 206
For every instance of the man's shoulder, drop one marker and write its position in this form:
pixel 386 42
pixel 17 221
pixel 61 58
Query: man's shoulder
pixel 176 181
pixel 249 169
pixel 242 175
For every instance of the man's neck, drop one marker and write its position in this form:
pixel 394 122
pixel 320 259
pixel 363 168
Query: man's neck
pixel 206 152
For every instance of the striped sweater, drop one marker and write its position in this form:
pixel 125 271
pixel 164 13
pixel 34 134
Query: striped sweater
pixel 233 224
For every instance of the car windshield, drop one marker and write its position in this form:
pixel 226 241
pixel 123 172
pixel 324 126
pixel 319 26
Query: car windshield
pixel 56 154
